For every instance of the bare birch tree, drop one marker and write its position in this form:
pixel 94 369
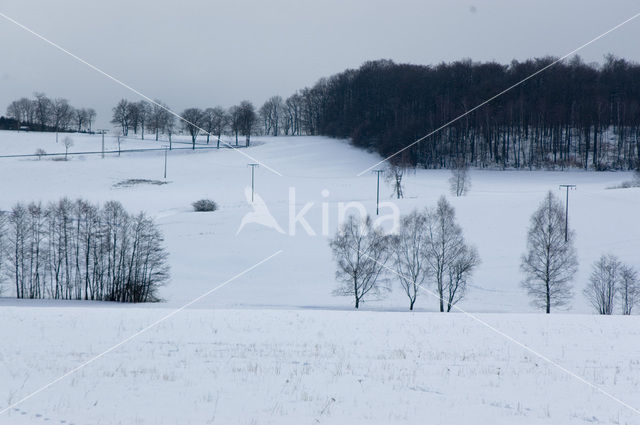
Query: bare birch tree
pixel 450 260
pixel 629 288
pixel 603 284
pixel 459 182
pixel 459 273
pixel 410 247
pixel 549 263
pixel 361 255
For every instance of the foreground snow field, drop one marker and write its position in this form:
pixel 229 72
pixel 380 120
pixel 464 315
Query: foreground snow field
pixel 299 367
pixel 274 345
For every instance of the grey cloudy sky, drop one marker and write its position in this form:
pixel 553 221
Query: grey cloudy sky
pixel 207 53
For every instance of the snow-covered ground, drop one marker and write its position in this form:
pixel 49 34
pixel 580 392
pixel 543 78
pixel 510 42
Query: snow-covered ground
pixel 274 345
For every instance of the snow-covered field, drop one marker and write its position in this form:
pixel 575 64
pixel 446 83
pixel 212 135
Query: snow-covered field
pixel 274 345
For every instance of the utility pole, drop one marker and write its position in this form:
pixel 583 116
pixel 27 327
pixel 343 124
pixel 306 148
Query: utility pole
pixel 253 167
pixel 378 172
pixel 567 187
pixel 118 145
pixel 165 162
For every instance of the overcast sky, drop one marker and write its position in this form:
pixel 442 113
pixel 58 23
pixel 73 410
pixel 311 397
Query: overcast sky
pixel 219 52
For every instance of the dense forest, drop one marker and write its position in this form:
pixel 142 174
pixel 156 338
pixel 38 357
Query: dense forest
pixel 571 115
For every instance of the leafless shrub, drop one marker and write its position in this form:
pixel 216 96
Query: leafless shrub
pixel 135 182
pixel 205 205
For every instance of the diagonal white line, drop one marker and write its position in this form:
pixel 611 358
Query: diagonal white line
pixel 510 338
pixel 137 334
pixel 503 92
pixel 128 87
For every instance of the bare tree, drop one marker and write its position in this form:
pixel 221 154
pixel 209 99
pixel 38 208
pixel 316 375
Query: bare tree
pixel 629 288
pixel 603 284
pixel 459 273
pixel 17 242
pixel 214 121
pixel 144 115
pixel 271 113
pixel 40 153
pixel 61 114
pixel 246 119
pixel 22 110
pixel 68 142
pixel 80 116
pixel 122 116
pixel 234 121
pixel 549 263
pixel 294 114
pixel 220 122
pixel 43 110
pixel 361 254
pixel 160 120
pixel 208 120
pixel 134 116
pixel 459 182
pixel 3 247
pixel 450 260
pixel 410 248
pixel 91 116
pixel 193 121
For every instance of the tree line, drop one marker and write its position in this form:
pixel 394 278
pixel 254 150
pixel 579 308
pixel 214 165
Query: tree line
pixel 429 254
pixel 297 115
pixel 571 115
pixel 156 118
pixel 75 250
pixel 42 113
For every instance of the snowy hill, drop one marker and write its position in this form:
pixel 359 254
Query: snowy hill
pixel 274 345
pixel 205 248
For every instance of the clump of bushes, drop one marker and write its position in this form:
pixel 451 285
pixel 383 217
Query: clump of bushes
pixel 76 250
pixel 205 205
